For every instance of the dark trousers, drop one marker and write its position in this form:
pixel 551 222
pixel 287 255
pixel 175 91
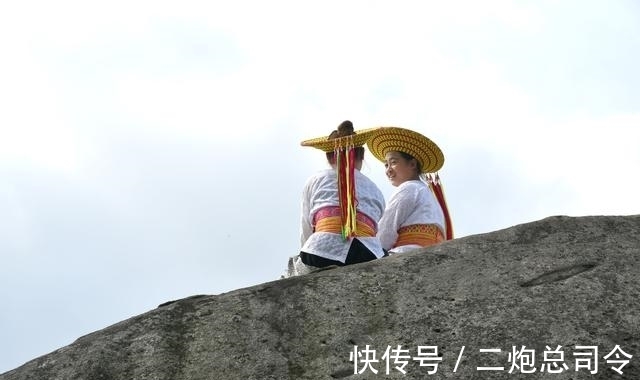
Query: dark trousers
pixel 358 253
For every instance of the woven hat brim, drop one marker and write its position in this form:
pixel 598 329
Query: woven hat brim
pixel 389 139
pixel 358 139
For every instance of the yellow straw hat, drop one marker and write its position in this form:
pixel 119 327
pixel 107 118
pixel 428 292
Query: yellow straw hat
pixel 389 139
pixel 359 138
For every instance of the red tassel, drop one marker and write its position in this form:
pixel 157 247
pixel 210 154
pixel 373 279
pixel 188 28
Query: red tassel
pixel 346 190
pixel 436 186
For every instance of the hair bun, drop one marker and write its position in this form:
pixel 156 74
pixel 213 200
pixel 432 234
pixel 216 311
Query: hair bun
pixel 345 128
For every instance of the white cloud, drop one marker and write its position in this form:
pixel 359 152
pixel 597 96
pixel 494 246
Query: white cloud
pixel 594 157
pixel 15 234
pixel 35 127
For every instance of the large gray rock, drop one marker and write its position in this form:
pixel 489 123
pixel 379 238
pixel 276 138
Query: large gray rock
pixel 560 281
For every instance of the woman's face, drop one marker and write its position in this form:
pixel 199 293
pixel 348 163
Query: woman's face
pixel 399 169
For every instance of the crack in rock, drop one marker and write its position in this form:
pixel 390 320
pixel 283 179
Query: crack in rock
pixel 559 274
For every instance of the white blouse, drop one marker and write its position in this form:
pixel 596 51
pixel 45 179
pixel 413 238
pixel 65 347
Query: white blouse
pixel 321 190
pixel 411 203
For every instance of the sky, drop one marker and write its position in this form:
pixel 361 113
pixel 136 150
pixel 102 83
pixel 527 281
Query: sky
pixel 150 150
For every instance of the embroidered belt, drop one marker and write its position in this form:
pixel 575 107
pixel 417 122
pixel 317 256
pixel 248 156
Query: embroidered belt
pixel 419 234
pixel 328 219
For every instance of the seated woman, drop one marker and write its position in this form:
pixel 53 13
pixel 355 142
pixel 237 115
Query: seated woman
pixel 414 216
pixel 341 207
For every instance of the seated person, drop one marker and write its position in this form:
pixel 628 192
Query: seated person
pixel 341 207
pixel 414 216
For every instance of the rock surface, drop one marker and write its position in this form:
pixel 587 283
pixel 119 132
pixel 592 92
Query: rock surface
pixel 560 281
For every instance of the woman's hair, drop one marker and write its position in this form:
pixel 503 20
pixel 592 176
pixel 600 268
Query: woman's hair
pixel 409 157
pixel 344 129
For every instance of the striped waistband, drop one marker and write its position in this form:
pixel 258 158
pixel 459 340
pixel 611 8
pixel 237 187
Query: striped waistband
pixel 419 234
pixel 328 219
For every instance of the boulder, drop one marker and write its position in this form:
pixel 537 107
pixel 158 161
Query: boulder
pixel 558 298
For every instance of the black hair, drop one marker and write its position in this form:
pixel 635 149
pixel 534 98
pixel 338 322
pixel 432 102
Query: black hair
pixel 344 129
pixel 409 157
pixel 359 150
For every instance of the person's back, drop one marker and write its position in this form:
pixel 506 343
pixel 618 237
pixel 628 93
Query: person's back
pixel 321 233
pixel 341 207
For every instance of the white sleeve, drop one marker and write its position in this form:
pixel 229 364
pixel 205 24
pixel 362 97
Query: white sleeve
pixel 306 229
pixel 398 209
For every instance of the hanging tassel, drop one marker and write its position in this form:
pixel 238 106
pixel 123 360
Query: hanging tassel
pixel 351 221
pixel 435 184
pixel 342 187
pixel 345 162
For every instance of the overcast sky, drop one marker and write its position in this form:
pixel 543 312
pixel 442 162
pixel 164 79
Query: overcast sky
pixel 149 150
